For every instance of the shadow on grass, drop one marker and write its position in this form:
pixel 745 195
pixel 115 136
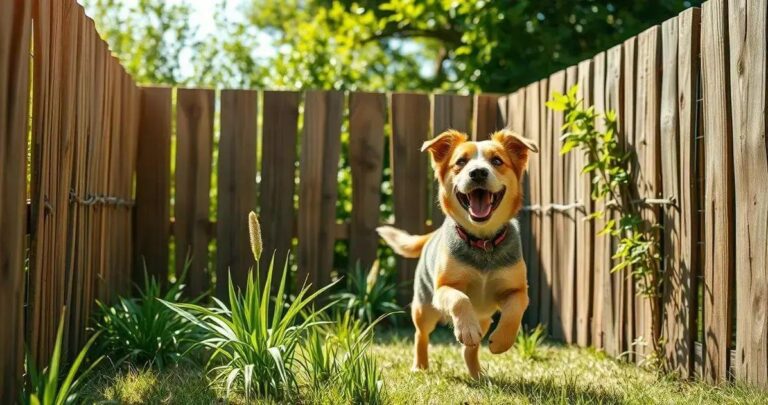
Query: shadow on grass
pixel 549 390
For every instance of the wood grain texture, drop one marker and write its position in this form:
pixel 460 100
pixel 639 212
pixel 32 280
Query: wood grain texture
pixel 584 229
pixel 449 111
pixel 629 77
pixel 647 140
pixel 278 172
pixel 602 244
pixel 153 185
pixel 51 175
pixel 236 187
pixel 747 57
pixel 561 239
pixel 566 222
pixel 321 144
pixel 675 284
pixel 719 188
pixel 367 118
pixel 546 151
pixel 689 25
pixel 410 128
pixel 533 128
pixel 15 33
pixel 613 286
pixel 486 116
pixel 194 138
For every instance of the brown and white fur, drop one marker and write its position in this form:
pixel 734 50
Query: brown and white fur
pixel 480 192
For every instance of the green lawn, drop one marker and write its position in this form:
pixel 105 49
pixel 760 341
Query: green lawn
pixel 560 375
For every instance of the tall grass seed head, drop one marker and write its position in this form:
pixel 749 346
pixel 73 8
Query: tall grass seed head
pixel 254 231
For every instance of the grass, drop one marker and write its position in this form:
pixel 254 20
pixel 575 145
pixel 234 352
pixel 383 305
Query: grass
pixel 560 375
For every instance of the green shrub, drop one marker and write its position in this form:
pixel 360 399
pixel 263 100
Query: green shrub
pixel 527 343
pixel 143 331
pixel 46 387
pixel 253 350
pixel 369 296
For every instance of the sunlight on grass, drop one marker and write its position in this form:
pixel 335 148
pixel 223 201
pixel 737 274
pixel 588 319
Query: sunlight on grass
pixel 560 374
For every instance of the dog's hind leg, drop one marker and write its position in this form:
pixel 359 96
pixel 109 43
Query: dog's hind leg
pixel 471 353
pixel 425 318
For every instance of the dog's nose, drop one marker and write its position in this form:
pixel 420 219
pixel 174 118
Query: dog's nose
pixel 478 174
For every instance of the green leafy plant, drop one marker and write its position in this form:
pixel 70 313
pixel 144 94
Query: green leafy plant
pixel 335 353
pixel 46 387
pixel 143 331
pixel 527 343
pixel 253 349
pixel 369 296
pixel 610 168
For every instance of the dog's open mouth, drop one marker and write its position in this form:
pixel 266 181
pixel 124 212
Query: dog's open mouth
pixel 480 203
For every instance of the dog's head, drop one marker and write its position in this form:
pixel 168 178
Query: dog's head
pixel 480 182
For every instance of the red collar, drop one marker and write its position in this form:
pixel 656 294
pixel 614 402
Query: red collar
pixel 482 244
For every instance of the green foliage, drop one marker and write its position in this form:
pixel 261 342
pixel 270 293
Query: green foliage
pixel 253 350
pixel 47 387
pixel 612 183
pixel 336 354
pixel 148 36
pixel 527 343
pixel 368 297
pixel 143 331
pixel 464 45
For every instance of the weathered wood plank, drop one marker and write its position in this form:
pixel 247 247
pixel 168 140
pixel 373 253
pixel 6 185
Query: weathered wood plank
pixel 153 184
pixel 410 128
pixel 321 144
pixel 278 171
pixel 532 129
pixel 546 146
pixel 719 210
pixel 647 140
pixel 602 244
pixel 584 229
pixel 367 118
pixel 236 187
pixel 747 26
pixel 194 138
pixel 486 116
pixel 613 286
pixel 628 127
pixel 15 33
pixel 449 111
pixel 561 249
pixel 674 300
pixel 566 223
pixel 689 26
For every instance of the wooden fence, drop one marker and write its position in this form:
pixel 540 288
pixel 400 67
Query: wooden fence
pixel 120 176
pixel 690 96
pixel 81 150
pixel 293 145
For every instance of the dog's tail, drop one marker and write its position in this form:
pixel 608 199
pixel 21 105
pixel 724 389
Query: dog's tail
pixel 402 242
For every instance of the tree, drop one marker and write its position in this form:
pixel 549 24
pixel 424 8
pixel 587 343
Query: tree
pixel 148 37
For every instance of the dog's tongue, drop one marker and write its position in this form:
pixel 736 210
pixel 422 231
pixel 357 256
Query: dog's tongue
pixel 479 203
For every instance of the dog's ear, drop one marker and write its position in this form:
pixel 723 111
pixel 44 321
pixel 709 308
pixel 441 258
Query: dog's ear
pixel 442 145
pixel 516 145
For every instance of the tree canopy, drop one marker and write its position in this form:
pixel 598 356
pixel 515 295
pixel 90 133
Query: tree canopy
pixel 456 45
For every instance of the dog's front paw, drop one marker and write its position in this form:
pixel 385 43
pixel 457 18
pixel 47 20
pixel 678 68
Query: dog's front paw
pixel 499 342
pixel 467 331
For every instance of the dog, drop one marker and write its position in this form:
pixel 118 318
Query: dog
pixel 472 266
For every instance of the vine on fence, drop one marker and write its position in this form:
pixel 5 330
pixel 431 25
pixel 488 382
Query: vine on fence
pixel 609 166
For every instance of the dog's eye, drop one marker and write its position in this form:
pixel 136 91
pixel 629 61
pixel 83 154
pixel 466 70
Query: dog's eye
pixel 461 162
pixel 496 161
